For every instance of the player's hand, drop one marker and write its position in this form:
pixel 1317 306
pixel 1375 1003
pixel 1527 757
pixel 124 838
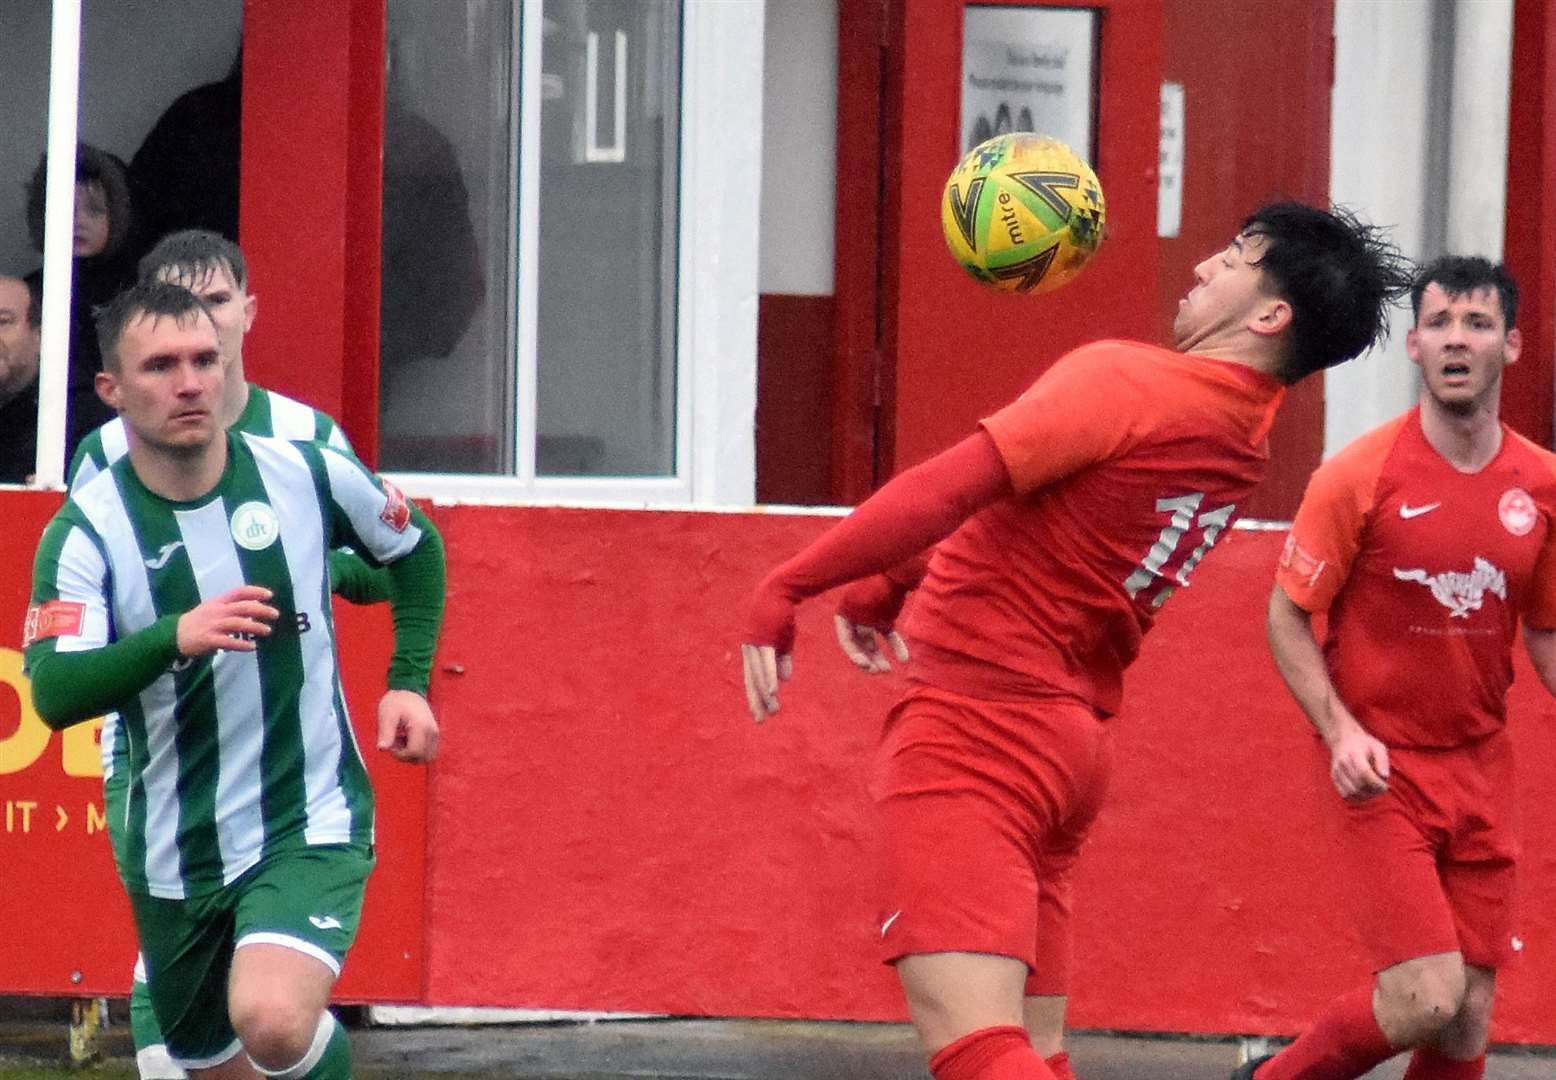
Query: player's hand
pixel 862 645
pixel 1358 764
pixel 215 624
pixel 406 727
pixel 764 669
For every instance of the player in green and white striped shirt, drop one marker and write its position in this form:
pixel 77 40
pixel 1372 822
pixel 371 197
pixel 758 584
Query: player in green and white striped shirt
pixel 214 269
pixel 187 587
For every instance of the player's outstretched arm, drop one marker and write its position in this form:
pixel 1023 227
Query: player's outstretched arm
pixel 915 510
pixel 1358 762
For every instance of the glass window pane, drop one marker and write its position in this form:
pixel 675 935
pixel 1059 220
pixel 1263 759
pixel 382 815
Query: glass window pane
pixel 158 130
pixel 608 216
pixel 446 370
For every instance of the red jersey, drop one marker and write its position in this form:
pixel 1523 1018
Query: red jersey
pixel 1424 571
pixel 1128 462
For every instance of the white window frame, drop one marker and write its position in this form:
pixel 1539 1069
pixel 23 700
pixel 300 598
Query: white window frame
pixel 59 211
pixel 716 306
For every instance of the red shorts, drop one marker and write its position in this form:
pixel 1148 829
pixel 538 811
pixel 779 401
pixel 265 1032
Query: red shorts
pixel 1432 862
pixel 984 806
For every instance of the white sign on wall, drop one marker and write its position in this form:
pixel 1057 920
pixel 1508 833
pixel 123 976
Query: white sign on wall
pixel 1029 69
pixel 1169 171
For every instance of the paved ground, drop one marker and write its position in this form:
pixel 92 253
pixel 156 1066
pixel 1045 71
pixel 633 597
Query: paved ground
pixel 720 1050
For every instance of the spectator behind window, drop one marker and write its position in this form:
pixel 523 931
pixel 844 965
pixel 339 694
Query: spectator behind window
pixel 19 339
pixel 185 173
pixel 103 264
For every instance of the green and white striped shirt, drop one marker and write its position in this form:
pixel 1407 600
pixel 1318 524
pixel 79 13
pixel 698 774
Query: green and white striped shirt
pixel 234 756
pixel 267 413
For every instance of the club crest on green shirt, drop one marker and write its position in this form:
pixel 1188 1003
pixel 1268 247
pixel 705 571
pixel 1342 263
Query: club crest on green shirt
pixel 255 526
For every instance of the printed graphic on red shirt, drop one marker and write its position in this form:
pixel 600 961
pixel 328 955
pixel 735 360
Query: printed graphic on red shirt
pixel 53 618
pixel 1461 593
pixel 397 511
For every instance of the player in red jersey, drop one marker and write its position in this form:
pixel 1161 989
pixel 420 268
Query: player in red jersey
pixel 1425 541
pixel 1067 519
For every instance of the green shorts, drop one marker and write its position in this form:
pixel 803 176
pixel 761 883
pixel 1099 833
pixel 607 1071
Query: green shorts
pixel 308 899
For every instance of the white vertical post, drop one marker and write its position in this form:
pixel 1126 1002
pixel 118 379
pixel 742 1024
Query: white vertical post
pixel 527 203
pixel 1477 156
pixel 1378 165
pixel 59 208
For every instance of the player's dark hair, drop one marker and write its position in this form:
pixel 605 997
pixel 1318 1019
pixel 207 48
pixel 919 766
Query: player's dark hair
pixel 95 167
pixel 157 299
pixel 1461 274
pixel 189 255
pixel 1339 275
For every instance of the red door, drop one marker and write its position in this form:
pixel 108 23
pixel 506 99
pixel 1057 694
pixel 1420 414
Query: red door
pixel 922 351
pixel 930 347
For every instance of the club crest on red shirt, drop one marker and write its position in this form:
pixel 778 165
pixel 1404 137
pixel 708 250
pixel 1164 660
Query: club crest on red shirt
pixel 1517 511
pixel 397 511
pixel 53 618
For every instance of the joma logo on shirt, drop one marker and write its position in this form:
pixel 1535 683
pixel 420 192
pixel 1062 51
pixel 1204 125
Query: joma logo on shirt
pixel 1461 593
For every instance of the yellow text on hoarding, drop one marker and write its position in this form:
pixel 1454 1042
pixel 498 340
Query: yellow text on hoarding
pixel 29 743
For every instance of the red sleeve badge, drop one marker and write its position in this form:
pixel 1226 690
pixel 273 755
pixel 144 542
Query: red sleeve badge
pixel 53 618
pixel 397 511
pixel 1303 567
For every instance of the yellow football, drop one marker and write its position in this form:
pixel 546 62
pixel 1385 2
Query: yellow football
pixel 1022 213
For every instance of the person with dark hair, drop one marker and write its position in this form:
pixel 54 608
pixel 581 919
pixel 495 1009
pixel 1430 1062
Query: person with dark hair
pixel 995 763
pixel 103 263
pixel 242 828
pixel 1425 541
pixel 19 340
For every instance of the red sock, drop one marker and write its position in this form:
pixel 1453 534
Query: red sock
pixel 1428 1063
pixel 1343 1043
pixel 1059 1065
pixel 995 1053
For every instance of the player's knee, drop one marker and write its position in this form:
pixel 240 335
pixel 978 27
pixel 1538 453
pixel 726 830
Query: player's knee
pixel 1428 997
pixel 1470 1033
pixel 275 1032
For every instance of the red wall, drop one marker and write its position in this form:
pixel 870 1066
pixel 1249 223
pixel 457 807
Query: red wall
pixel 607 829
pixel 649 848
